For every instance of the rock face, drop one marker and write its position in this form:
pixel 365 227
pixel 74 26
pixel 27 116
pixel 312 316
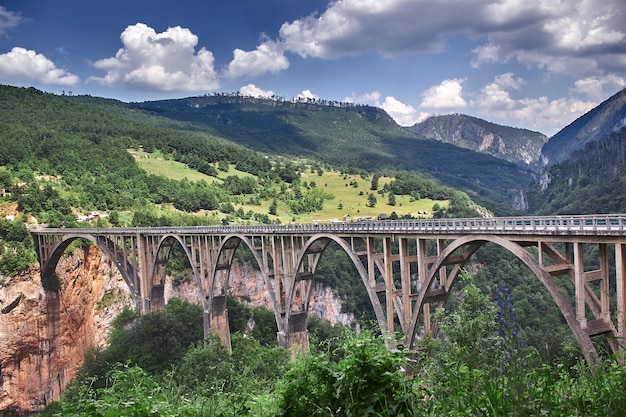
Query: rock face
pixel 45 334
pixel 511 144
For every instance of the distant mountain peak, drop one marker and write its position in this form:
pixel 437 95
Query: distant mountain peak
pixel 503 142
pixel 596 124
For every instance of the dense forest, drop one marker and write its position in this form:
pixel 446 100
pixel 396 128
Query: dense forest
pixel 593 180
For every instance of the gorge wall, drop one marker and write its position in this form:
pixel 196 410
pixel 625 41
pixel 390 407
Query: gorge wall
pixel 45 334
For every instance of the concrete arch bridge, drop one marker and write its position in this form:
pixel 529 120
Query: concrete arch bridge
pixel 407 266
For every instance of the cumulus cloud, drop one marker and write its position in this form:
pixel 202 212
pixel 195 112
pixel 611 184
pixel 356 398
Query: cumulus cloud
pixel 307 94
pixel 367 98
pixel 571 37
pixel 494 103
pixel 26 66
pixel 166 61
pixel 254 91
pixel 402 113
pixel 599 88
pixel 580 37
pixel 268 57
pixel 8 20
pixel 448 95
pixel 352 27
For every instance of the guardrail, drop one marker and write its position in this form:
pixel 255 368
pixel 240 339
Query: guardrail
pixel 601 224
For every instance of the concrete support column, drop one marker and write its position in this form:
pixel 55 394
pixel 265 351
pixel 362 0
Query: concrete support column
pixel 620 275
pixel 297 337
pixel 579 285
pixel 218 320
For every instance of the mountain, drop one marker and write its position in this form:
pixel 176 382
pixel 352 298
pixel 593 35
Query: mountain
pixel 608 117
pixel 585 164
pixel 340 134
pixel 511 144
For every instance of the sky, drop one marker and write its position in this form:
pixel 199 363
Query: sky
pixel 533 64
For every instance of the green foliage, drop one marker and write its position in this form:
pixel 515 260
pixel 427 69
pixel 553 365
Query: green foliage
pixel 371 200
pixel 474 369
pixel 367 380
pixel 153 342
pixel 16 247
pixel 336 270
pixel 364 138
pixel 593 180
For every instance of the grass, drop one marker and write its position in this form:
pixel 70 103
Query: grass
pixel 350 192
pixel 155 163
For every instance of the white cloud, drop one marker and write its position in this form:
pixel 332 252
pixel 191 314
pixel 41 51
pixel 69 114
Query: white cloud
pixel 402 113
pixel 164 61
pixel 268 57
pixel 495 104
pixel 8 20
pixel 578 37
pixel 485 54
pixel 446 96
pixel 367 98
pixel 352 27
pixel 25 66
pixel 307 94
pixel 574 37
pixel 599 88
pixel 254 91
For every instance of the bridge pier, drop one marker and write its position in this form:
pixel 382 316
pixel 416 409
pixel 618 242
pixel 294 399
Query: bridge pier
pixel 297 337
pixel 218 320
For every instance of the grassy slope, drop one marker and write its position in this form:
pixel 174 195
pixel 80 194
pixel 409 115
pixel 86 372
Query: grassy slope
pixel 332 182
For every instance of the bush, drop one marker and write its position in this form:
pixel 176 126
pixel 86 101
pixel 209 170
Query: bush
pixel 367 380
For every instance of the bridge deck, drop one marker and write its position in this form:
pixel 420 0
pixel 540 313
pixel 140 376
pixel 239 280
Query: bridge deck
pixel 591 225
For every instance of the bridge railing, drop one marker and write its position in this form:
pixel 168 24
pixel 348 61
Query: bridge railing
pixel 601 224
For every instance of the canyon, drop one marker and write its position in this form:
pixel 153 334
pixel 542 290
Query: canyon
pixel 45 334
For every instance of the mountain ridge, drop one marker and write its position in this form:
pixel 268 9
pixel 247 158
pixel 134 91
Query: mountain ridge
pixel 347 135
pixel 604 119
pixel 515 145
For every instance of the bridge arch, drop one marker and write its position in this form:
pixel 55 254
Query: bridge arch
pixel 215 307
pixel 325 239
pixel 157 297
pixel 230 243
pixel 125 268
pixel 470 244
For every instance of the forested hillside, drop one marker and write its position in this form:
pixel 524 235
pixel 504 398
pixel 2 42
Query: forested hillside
pixel 601 121
pixel 340 134
pixel 592 180
pixel 62 158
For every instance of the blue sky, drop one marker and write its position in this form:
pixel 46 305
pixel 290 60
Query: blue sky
pixel 536 64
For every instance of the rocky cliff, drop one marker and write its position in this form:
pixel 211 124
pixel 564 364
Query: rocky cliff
pixel 504 142
pixel 44 334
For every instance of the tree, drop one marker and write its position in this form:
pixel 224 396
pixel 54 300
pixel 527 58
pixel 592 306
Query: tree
pixel 392 199
pixel 273 208
pixel 374 185
pixel 371 200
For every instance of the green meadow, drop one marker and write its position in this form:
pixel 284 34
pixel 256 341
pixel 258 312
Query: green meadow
pixel 350 192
